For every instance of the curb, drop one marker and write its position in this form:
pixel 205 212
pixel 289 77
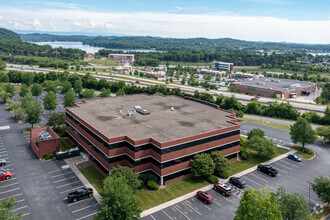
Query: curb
pixel 83 179
pixel 191 194
pixel 311 157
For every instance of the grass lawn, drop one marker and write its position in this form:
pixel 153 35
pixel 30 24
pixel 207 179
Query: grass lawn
pixel 94 177
pixel 184 63
pixel 104 62
pixel 150 199
pixel 253 160
pixel 303 155
pixel 65 144
pixel 321 214
pixel 273 125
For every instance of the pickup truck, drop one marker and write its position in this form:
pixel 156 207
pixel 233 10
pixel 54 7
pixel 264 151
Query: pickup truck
pixel 80 193
pixel 267 170
pixel 3 162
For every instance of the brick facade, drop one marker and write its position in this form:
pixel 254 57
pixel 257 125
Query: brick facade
pixel 39 147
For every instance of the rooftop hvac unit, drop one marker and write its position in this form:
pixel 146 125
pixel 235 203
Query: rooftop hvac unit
pixel 44 135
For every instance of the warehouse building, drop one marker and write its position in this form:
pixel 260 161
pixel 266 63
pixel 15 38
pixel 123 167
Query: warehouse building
pixel 151 133
pixel 283 88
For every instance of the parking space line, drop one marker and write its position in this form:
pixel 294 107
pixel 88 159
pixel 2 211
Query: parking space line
pixel 22 200
pixel 4 155
pixel 193 208
pixel 86 216
pixel 23 207
pixel 284 166
pixel 250 187
pixel 203 204
pixel 2 192
pixel 64 179
pixel 67 184
pixel 71 204
pixel 86 207
pixel 251 181
pixel 181 212
pixel 167 215
pixel 217 202
pixel 54 171
pixel 11 179
pixel 26 214
pixel 12 196
pixel 3 151
pixel 70 189
pixel 279 169
pixel 9 185
pixel 7 166
pixel 288 163
pixel 152 217
pixel 258 177
pixel 60 175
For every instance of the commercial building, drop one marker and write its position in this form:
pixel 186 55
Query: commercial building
pixel 207 71
pixel 151 133
pixel 218 65
pixel 44 140
pixel 123 58
pixel 283 88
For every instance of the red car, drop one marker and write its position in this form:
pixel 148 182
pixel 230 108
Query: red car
pixel 254 99
pixel 5 175
pixel 223 189
pixel 205 197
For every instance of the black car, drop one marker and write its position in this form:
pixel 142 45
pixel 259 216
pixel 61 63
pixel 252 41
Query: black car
pixel 80 193
pixel 267 170
pixel 236 181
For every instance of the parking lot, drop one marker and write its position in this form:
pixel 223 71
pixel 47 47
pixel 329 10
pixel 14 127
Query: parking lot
pixel 40 187
pixel 293 176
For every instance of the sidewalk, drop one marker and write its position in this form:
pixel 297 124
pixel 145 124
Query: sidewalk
pixel 71 163
pixel 191 194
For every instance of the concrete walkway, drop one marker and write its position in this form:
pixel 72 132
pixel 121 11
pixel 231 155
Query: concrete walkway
pixel 206 188
pixel 71 163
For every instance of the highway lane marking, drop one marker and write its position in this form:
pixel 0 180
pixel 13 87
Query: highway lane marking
pixel 181 213
pixel 86 216
pixel 86 207
pixel 258 177
pixel 251 181
pixel 288 163
pixel 284 166
pixel 152 217
pixel 71 204
pixel 23 207
pixel 67 184
pixel 9 185
pixel 70 190
pixel 280 170
pixel 60 175
pixel 10 190
pixel 167 215
pixel 64 179
pixel 192 208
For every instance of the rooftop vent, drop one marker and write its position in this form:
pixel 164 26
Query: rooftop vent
pixel 44 135
pixel 172 108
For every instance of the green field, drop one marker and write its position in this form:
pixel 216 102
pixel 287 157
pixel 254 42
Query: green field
pixel 104 62
pixel 94 177
pixel 173 63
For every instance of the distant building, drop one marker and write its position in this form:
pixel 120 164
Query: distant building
pixel 122 57
pixel 159 74
pixel 218 65
pixel 206 71
pixel 283 88
pixel 242 75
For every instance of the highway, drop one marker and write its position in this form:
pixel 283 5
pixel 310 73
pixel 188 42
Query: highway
pixel 188 89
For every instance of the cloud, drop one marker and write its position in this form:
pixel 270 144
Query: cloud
pixel 216 25
pixel 179 8
pixel 55 4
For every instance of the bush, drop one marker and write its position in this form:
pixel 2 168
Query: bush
pixel 244 154
pixel 213 179
pixel 223 175
pixel 147 176
pixel 48 156
pixel 152 185
pixel 308 151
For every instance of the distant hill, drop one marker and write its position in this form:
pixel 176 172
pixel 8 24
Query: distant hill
pixel 9 35
pixel 36 37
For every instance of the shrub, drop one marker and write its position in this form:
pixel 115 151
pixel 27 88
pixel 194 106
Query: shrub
pixel 244 154
pixel 308 151
pixel 223 175
pixel 152 185
pixel 148 176
pixel 212 179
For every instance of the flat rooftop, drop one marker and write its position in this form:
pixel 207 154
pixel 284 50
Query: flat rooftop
pixel 277 84
pixel 188 118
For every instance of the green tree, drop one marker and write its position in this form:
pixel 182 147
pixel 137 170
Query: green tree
pixel 132 179
pixel 2 65
pixel 36 90
pixel 220 161
pixel 33 113
pixel 202 165
pixel 292 206
pixel 88 93
pixel 302 132
pixel 27 78
pixel 321 186
pixel 52 87
pixel 264 147
pixel 10 89
pixel 56 120
pixel 66 86
pixel 26 100
pixel 231 102
pixel 4 77
pixel 120 92
pixel 219 99
pixel 183 81
pixel 105 92
pixel 19 113
pixel 255 205
pixel 50 102
pixel 24 90
pixel 6 206
pixel 77 86
pixel 118 201
pixel 253 107
pixel 197 95
pixel 255 132
pixel 69 98
pixel 324 132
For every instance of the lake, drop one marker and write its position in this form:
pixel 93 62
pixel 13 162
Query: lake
pixel 87 48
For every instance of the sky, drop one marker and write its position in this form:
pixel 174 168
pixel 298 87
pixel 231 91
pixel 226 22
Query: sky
pixel 296 21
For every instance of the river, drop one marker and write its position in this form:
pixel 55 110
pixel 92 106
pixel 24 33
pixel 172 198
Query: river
pixel 87 48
